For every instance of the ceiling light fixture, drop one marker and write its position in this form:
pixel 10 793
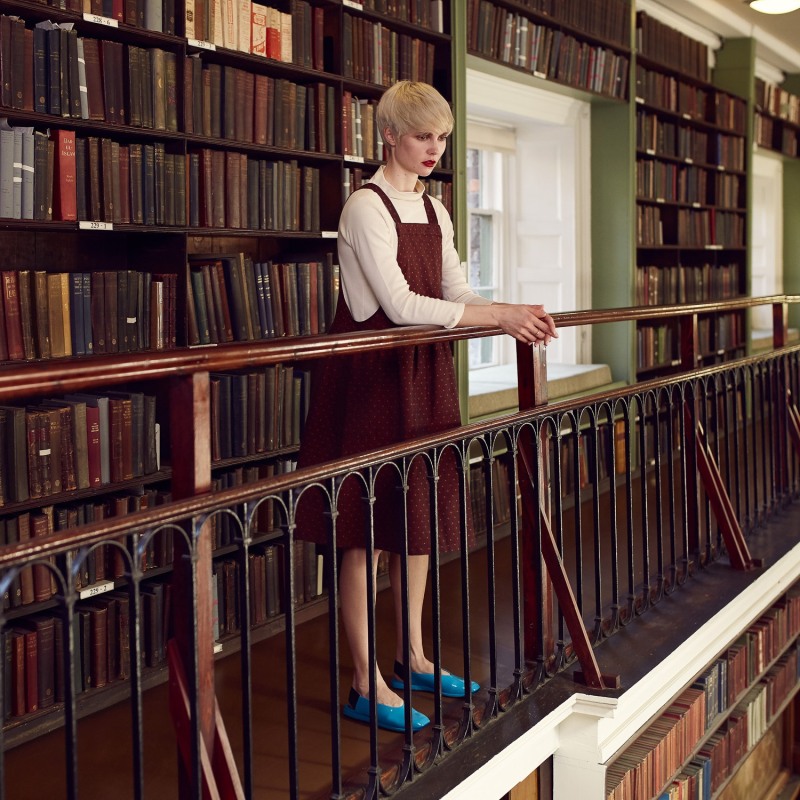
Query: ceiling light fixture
pixel 774 6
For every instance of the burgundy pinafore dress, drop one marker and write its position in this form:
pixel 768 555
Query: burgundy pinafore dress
pixel 370 400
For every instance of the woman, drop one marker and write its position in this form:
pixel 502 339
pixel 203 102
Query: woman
pixel 398 266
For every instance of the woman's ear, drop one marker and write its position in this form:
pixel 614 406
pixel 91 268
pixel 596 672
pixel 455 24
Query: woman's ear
pixel 389 137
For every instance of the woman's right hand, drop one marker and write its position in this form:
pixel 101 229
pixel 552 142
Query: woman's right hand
pixel 526 323
pixel 529 324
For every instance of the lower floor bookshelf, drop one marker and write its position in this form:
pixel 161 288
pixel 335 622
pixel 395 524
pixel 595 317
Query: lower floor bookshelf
pixel 739 712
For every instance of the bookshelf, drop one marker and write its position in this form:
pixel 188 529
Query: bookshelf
pixel 180 186
pixel 706 733
pixel 691 196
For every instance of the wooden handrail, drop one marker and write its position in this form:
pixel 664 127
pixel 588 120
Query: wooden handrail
pixel 72 374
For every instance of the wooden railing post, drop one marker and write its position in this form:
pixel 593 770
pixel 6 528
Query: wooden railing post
pixel 532 388
pixel 190 440
pixel 690 349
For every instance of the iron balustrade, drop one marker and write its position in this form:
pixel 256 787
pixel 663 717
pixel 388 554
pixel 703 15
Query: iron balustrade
pixel 615 481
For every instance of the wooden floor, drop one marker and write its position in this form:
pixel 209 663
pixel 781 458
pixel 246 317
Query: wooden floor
pixel 36 770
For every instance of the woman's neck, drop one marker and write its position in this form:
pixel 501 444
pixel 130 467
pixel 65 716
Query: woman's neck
pixel 398 178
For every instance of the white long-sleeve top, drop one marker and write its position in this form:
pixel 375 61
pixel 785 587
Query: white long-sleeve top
pixel 370 274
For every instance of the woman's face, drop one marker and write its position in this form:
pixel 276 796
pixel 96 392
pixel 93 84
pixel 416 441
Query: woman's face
pixel 418 152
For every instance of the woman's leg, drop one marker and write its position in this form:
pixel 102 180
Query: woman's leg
pixel 417 579
pixel 353 598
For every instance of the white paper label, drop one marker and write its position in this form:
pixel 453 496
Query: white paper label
pixel 98 20
pixel 97 588
pixel 201 44
pixel 92 225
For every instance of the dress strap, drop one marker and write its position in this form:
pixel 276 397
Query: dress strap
pixel 429 209
pixel 386 201
pixel 426 201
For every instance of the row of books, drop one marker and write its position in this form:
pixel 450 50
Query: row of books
pixel 269 517
pixel 674 183
pixel 56 314
pixel 646 767
pixel 705 105
pixel 67 177
pixel 681 283
pixel 427 14
pixel 231 190
pixel 709 227
pixel 83 78
pixel 720 333
pixel 656 346
pixel 356 177
pixel 606 19
pixel 34 651
pixel 721 753
pixel 293 37
pixel 775 136
pixel 511 38
pixel 376 54
pixel 689 228
pixel 83 441
pixel 232 298
pixel 232 103
pixel 777 101
pixel 502 492
pixel 670 47
pixel 156 15
pixel 268 583
pixel 664 138
pixel 258 411
pixel 360 135
pixel 104 563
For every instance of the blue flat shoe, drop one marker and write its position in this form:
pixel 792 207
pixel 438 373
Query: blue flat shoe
pixel 390 718
pixel 452 685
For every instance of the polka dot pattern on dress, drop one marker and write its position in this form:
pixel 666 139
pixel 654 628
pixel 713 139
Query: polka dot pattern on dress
pixel 369 400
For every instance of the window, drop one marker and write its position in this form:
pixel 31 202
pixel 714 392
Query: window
pixel 485 170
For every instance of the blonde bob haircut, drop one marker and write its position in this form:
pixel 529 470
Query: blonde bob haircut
pixel 413 106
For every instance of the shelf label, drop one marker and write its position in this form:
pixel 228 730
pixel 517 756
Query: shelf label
pixel 217 647
pixel 695 205
pixel 353 4
pixel 329 234
pixel 92 225
pixel 713 247
pixel 538 74
pixel 686 116
pixel 688 160
pixel 650 151
pixel 660 200
pixel 201 43
pixel 98 20
pixel 95 589
pixel 721 167
pixel 640 100
pixel 356 159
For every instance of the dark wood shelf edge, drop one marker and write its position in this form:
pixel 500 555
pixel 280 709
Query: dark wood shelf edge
pixel 50 719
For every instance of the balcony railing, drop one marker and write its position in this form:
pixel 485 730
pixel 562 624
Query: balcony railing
pixel 586 513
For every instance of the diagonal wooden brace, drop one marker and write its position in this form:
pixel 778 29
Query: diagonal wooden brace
pixel 721 505
pixel 794 421
pixel 219 777
pixel 590 674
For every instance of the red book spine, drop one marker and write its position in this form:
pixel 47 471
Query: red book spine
pixel 65 200
pixel 16 350
pixel 94 448
pixel 17 673
pixel 31 672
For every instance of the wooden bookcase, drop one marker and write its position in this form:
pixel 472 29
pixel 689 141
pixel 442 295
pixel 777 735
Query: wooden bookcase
pixel 706 734
pixel 223 174
pixel 691 197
